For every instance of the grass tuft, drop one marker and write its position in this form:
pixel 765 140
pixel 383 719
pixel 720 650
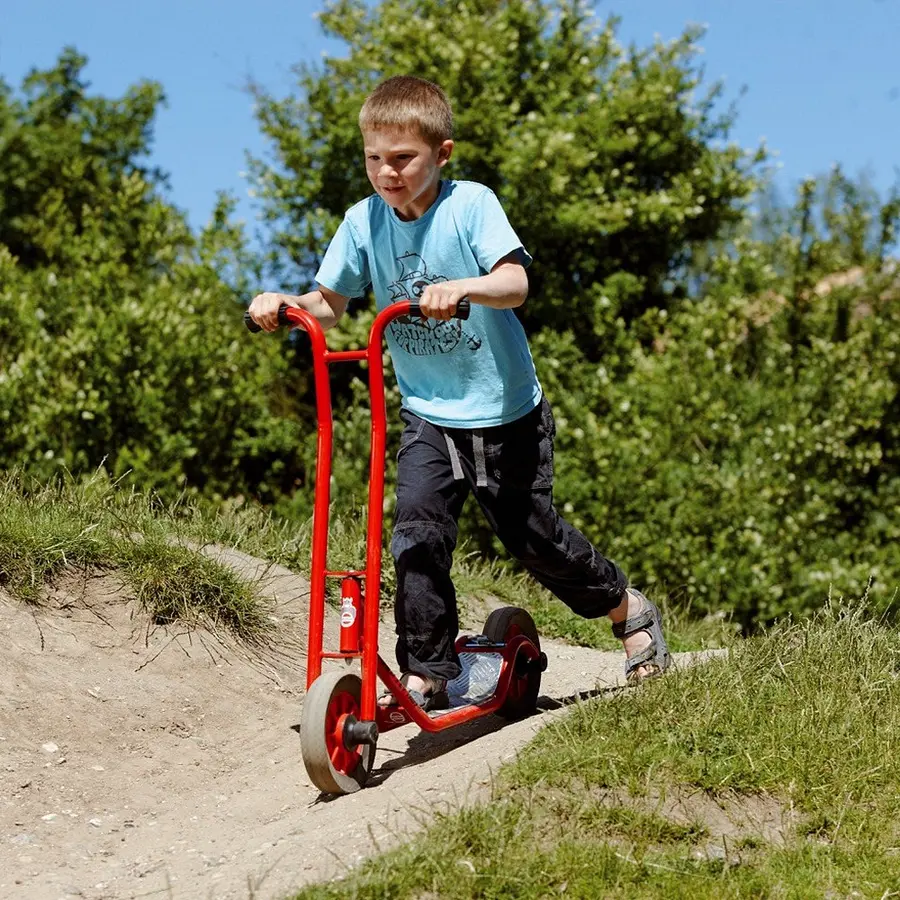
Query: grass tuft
pixel 91 524
pixel 808 711
pixel 43 530
pixel 179 584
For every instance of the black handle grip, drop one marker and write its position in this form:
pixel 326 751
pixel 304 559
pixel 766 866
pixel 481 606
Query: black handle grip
pixel 282 319
pixel 463 308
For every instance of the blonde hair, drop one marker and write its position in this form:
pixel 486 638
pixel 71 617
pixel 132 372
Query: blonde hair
pixel 407 102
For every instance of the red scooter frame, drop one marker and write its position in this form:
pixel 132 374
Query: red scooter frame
pixel 341 719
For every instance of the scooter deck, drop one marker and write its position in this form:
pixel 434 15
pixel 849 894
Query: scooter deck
pixel 475 684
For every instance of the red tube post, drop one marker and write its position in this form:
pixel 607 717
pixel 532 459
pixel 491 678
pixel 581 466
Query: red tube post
pixel 322 499
pixel 374 525
pixel 374 519
pixel 351 614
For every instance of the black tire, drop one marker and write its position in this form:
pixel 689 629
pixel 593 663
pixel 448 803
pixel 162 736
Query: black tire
pixel 331 767
pixel 501 625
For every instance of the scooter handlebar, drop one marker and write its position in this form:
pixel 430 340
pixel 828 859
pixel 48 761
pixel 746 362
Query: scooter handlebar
pixel 282 319
pixel 462 312
pixel 463 308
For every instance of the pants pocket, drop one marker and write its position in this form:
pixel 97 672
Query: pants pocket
pixel 522 458
pixel 414 426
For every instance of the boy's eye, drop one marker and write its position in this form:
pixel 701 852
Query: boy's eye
pixel 399 157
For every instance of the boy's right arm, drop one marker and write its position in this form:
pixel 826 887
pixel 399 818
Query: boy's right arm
pixel 324 304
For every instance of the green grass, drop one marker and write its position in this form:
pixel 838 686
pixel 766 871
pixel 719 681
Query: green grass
pixel 175 583
pixel 88 527
pixel 809 711
pixel 805 719
pixel 92 524
pixel 41 534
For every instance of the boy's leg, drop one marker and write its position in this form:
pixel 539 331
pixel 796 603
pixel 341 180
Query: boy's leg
pixel 429 502
pixel 517 498
pixel 514 488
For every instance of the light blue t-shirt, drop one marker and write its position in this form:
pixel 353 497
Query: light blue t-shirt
pixel 458 374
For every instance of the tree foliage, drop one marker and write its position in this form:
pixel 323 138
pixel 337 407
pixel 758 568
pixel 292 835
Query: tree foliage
pixel 607 160
pixel 726 383
pixel 62 149
pixel 748 462
pixel 120 338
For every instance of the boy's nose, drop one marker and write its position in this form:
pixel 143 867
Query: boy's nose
pixel 388 171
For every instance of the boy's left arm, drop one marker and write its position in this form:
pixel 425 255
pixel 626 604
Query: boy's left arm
pixel 504 287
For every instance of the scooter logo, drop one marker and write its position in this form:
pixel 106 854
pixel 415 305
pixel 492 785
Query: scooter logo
pixel 348 612
pixel 429 337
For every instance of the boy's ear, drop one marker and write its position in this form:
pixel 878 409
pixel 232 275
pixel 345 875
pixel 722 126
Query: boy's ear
pixel 445 151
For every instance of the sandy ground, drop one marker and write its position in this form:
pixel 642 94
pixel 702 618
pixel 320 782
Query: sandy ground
pixel 142 761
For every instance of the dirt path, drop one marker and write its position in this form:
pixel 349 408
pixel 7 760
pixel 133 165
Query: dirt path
pixel 149 762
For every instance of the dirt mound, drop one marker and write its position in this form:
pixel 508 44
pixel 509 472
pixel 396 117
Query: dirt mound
pixel 140 760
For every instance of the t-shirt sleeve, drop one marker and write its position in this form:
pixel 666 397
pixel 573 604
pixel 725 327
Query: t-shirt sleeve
pixel 345 267
pixel 490 234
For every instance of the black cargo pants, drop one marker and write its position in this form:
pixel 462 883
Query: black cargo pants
pixel 509 469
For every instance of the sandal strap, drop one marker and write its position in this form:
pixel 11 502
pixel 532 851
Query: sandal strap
pixel 631 666
pixel 431 700
pixel 648 654
pixel 656 654
pixel 434 697
pixel 640 622
pixel 418 698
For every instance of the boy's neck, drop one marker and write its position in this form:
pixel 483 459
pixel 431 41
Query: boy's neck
pixel 421 204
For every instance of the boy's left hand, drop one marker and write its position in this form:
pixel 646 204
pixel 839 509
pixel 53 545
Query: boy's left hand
pixel 439 301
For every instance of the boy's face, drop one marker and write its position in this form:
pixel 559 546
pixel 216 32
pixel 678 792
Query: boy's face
pixel 405 169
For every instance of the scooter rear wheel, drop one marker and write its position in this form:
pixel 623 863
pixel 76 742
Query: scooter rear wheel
pixel 332 766
pixel 502 625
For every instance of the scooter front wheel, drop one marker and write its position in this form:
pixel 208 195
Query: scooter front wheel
pixel 332 703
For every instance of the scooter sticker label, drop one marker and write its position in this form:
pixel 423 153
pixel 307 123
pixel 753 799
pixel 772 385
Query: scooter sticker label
pixel 348 612
pixel 397 717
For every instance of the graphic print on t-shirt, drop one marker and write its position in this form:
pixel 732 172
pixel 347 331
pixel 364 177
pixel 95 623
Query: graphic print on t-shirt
pixel 424 337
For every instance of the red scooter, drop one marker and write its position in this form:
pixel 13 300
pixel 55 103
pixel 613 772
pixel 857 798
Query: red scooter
pixel 341 719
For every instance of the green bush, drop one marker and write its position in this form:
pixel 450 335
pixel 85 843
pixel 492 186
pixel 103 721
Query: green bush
pixel 726 387
pixel 734 469
pixel 121 341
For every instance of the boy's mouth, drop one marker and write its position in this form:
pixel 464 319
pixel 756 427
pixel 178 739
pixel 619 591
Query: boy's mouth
pixel 392 190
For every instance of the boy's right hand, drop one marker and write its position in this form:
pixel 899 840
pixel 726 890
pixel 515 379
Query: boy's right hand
pixel 264 309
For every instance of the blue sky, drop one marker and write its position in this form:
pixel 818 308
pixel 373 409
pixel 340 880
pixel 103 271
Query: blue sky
pixel 822 76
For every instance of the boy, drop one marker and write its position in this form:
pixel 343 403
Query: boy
pixel 475 416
